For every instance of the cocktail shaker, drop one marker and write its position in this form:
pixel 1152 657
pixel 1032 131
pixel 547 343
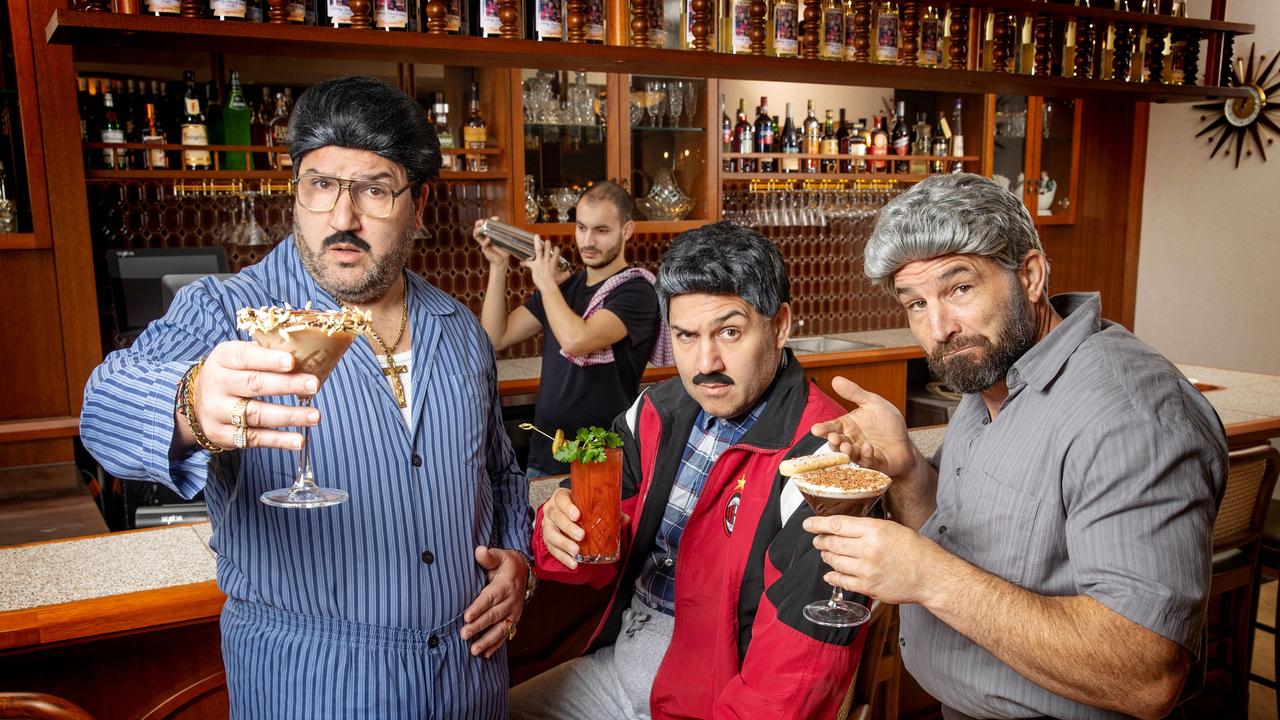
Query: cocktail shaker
pixel 514 240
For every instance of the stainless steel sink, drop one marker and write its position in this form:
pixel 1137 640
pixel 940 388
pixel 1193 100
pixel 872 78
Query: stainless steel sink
pixel 824 344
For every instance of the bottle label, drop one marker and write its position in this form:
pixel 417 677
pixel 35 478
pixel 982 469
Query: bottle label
pixel 164 7
pixel 452 17
pixel 887 37
pixel 339 12
pixel 475 137
pixel 192 105
pixel 595 21
pixel 785 30
pixel 741 42
pixel 490 25
pixel 548 25
pixel 902 145
pixel 829 147
pixel 850 33
pixel 228 8
pixel 390 14
pixel 297 13
pixel 833 33
pixel 930 36
pixel 790 164
pixel 196 135
pixel 157 159
pixel 280 138
pixel 115 159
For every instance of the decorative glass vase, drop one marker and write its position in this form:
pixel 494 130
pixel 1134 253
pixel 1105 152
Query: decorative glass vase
pixel 665 200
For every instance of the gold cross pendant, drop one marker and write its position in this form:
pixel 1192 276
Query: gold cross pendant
pixel 393 372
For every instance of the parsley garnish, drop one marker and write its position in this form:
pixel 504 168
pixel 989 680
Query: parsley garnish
pixel 588 446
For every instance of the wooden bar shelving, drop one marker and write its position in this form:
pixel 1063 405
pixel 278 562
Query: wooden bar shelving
pixel 111 30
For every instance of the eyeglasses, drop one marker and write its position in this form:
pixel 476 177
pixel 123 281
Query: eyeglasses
pixel 320 193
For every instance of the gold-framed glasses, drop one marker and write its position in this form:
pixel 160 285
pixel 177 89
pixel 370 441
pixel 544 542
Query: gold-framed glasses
pixel 371 198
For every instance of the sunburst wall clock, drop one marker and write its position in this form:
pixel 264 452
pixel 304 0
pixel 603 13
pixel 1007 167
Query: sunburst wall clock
pixel 1244 119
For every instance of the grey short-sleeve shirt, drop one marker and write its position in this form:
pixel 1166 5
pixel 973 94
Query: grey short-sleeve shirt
pixel 1100 476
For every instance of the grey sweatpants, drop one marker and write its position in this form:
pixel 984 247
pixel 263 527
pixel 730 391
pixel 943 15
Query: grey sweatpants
pixel 613 682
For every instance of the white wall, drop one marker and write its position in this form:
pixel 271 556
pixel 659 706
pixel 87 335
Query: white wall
pixel 1209 268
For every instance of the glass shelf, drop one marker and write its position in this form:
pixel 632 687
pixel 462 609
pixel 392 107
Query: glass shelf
pixel 647 128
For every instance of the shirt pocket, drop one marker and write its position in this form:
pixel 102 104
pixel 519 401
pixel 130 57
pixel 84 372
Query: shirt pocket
pixel 996 525
pixel 456 412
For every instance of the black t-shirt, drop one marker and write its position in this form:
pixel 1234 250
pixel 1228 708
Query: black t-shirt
pixel 572 397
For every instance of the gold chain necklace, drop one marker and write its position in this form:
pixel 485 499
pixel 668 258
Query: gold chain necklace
pixel 393 371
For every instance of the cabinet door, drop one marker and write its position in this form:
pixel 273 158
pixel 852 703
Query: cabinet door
pixel 668 147
pixel 1056 129
pixel 887 379
pixel 1011 153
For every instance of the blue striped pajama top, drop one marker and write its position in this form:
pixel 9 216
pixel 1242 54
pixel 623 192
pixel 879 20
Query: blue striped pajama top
pixel 397 557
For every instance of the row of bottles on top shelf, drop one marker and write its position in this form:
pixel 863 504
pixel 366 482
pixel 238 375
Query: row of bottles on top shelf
pixel 140 110
pixel 851 147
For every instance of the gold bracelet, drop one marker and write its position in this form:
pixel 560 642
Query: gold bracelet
pixel 188 407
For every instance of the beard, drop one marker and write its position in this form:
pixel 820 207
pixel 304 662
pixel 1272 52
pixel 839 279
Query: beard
pixel 370 286
pixel 975 372
pixel 604 259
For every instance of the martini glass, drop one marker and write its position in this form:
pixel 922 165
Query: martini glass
pixel 840 490
pixel 317 340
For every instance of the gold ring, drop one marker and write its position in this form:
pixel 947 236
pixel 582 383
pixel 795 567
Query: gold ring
pixel 511 628
pixel 240 438
pixel 238 414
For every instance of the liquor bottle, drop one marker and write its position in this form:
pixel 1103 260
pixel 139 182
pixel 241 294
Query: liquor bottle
pixel 657 24
pixel 850 47
pixel 812 140
pixel 744 138
pixel 858 147
pixel 337 13
pixel 258 129
pixel 920 134
pixel 228 9
pixel 829 145
pixel 886 25
pixel 153 135
pixel 278 135
pixel 253 11
pixel 726 137
pixel 765 136
pixel 475 132
pixel 1180 41
pixel 213 114
pixel 784 33
pixel 901 138
pixel 938 143
pixel 790 144
pixel 597 23
pixel 447 160
pixel 83 105
pixel 485 18
pixel 832 44
pixel 236 121
pixel 878 145
pixel 164 7
pixel 195 131
pixel 112 132
pixel 130 118
pixel 842 143
pixel 391 15
pixel 545 20
pixel 930 37
pixel 957 136
pixel 737 23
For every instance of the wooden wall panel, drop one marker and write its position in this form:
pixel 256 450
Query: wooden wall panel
pixel 32 361
pixel 1094 253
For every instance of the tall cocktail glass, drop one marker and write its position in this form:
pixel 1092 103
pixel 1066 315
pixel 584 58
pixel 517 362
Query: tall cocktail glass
pixel 317 340
pixel 596 490
pixel 840 490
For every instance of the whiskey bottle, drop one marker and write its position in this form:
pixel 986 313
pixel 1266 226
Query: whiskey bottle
pixel 858 147
pixel 195 131
pixel 445 135
pixel 812 140
pixel 278 135
pixel 832 43
pixel 842 142
pixel 790 144
pixel 228 9
pixel 112 132
pixel 829 145
pixel 957 136
pixel 784 35
pixel 258 129
pixel 886 27
pixel 878 146
pixel 938 143
pixel 920 134
pixel 726 137
pixel 765 136
pixel 930 37
pixel 157 159
pixel 164 7
pixel 475 132
pixel 236 121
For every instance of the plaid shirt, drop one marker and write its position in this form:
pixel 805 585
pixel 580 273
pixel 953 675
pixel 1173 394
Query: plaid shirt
pixel 711 436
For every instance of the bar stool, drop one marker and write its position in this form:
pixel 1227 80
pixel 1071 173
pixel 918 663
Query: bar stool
pixel 38 706
pixel 1269 563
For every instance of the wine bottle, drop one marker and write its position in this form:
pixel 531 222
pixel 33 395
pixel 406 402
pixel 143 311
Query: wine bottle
pixel 195 131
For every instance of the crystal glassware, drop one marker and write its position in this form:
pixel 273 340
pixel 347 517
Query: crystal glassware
pixel 675 101
pixel 317 340
pixel 248 232
pixel 840 490
pixel 665 200
pixel 596 490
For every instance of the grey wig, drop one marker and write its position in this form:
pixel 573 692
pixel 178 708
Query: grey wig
pixel 724 259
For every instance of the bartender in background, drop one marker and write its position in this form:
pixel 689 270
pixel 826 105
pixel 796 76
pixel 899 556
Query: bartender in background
pixel 602 322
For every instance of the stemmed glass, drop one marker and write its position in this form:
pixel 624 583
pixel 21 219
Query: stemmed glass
pixel 317 340
pixel 691 100
pixel 830 499
pixel 248 231
pixel 675 102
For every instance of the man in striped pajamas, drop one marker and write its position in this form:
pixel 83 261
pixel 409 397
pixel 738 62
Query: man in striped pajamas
pixel 1053 558
pixel 397 603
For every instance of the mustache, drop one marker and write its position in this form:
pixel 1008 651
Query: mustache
pixel 956 344
pixel 344 237
pixel 712 379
